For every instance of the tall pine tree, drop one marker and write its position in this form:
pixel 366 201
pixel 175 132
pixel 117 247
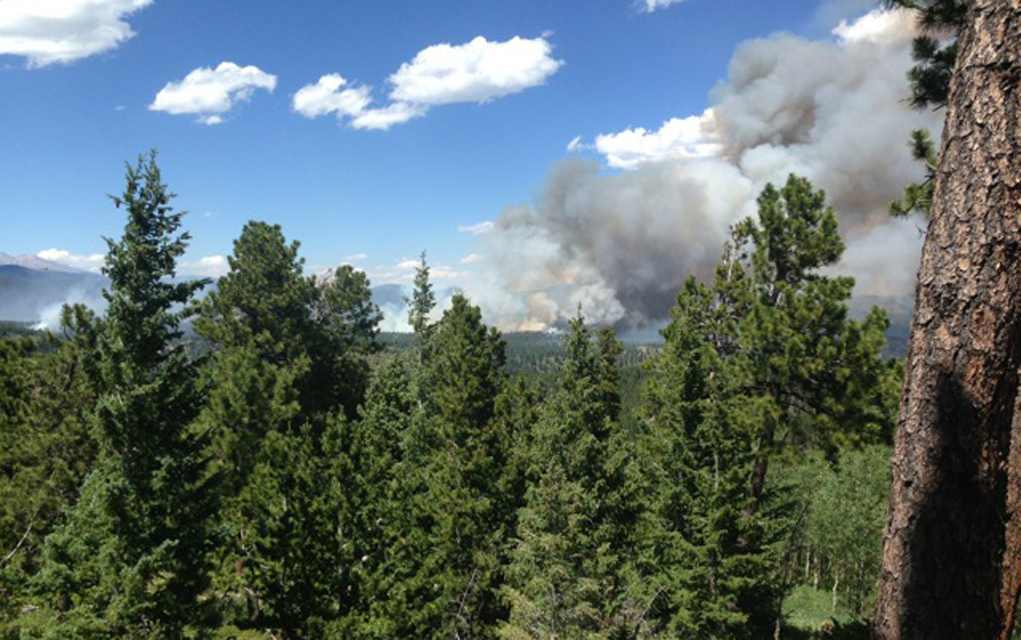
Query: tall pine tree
pixel 132 559
pixel 574 558
pixel 762 359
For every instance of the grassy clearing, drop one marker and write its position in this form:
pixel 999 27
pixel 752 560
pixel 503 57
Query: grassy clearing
pixel 809 614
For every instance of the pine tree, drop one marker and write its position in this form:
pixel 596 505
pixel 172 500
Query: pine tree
pixel 934 51
pixel 346 322
pixel 290 366
pixel 953 540
pixel 379 486
pixel 442 539
pixel 422 300
pixel 572 562
pixel 763 358
pixel 718 556
pixel 132 559
pixel 46 448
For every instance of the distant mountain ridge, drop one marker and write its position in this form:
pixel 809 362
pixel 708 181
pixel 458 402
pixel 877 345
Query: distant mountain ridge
pixel 33 290
pixel 36 295
pixel 29 261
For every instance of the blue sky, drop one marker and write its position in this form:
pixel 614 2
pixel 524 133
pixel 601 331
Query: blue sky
pixel 67 126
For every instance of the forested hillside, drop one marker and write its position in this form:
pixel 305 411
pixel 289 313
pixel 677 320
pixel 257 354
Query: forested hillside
pixel 299 477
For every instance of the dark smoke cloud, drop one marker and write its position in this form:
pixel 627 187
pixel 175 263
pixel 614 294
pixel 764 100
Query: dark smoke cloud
pixel 621 244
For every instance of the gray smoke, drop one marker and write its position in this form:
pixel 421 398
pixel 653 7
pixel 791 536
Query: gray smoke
pixel 621 244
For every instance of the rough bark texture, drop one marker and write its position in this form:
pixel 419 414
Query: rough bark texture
pixel 950 562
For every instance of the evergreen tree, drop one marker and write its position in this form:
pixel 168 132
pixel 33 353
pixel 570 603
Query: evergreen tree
pixel 290 365
pixel 379 486
pixel 918 196
pixel 951 561
pixel 934 51
pixel 719 561
pixel 442 543
pixel 422 300
pixel 763 358
pixel 346 322
pixel 46 448
pixel 572 564
pixel 264 301
pixel 132 559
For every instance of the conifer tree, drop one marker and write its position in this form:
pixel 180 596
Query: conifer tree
pixel 763 358
pixel 379 485
pixel 574 548
pixel 934 51
pixel 289 368
pixel 718 558
pixel 443 547
pixel 347 323
pixel 132 559
pixel 46 448
pixel 422 300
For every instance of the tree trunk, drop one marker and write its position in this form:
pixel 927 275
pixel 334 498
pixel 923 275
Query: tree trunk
pixel 951 539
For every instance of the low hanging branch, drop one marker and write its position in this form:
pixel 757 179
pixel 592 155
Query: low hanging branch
pixel 24 536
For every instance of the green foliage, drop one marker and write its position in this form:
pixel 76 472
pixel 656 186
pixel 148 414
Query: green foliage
pixel 290 364
pixel 840 538
pixel 285 481
pixel 422 301
pixel 935 50
pixel 45 452
pixel 918 196
pixel 347 323
pixel 761 359
pixel 574 560
pixel 718 541
pixel 426 463
pixel 461 454
pixel 132 558
pixel 264 300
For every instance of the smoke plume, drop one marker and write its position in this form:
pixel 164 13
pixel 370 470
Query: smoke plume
pixel 619 243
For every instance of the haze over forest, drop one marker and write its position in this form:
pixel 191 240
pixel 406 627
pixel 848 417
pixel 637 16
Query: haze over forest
pixel 318 368
pixel 621 219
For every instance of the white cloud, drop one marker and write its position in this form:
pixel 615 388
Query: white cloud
pixel 207 266
pixel 51 31
pixel 477 71
pixel 92 262
pixel 690 137
pixel 355 257
pixel 474 72
pixel 649 6
pixel 404 272
pixel 383 118
pixel 332 94
pixel 325 96
pixel 878 28
pixel 471 258
pixel 209 93
pixel 477 229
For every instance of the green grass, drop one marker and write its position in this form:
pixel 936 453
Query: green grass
pixel 809 614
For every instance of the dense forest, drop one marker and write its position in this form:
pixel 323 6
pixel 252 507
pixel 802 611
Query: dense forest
pixel 296 477
pixel 289 472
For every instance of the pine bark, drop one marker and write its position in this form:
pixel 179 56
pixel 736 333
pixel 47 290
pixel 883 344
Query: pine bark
pixel 950 562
